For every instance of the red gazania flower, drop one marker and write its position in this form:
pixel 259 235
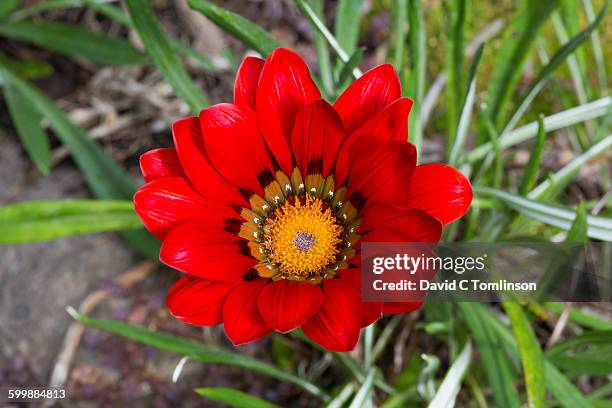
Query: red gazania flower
pixel 264 202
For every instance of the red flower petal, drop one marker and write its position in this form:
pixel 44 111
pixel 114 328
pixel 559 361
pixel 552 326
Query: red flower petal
pixel 195 248
pixel 204 177
pixel 388 125
pixel 337 324
pixel 235 147
pixel 285 86
pixel 163 203
pixel 197 301
pixel 371 312
pixel 383 174
pixel 416 225
pixel 241 319
pixel 368 95
pixel 316 138
pixel 245 86
pixel 441 190
pixel 400 307
pixel 159 163
pixel 286 305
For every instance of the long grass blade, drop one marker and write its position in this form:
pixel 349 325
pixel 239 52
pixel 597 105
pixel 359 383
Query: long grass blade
pixel 569 117
pixel 597 49
pixel 516 46
pixel 340 52
pixel 43 220
pixel 448 390
pixel 557 59
pixel 561 217
pixel 324 62
pixel 163 57
pixel 365 391
pixel 559 386
pixel 74 41
pixel 399 10
pixel 418 78
pixel 234 398
pixel 554 184
pixel 455 37
pixel 530 173
pixel 27 123
pixel 195 350
pixel 495 362
pixel 530 352
pixel 466 112
pixel 346 27
pixel 241 28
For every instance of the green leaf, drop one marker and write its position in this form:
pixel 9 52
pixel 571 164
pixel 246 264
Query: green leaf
pixel 324 62
pixel 530 175
pixel 196 350
pixel 74 41
pixel 241 28
pixel 163 57
pixel 346 28
pixel 569 117
pixel 458 142
pixel 530 352
pixel 27 123
pixel 600 60
pixel 560 387
pixel 586 353
pixel 27 69
pixel 103 176
pixel 234 398
pixel 495 362
pixel 43 6
pixel 322 29
pixel 417 80
pixel 7 7
pixel 518 42
pixel 399 9
pixel 580 317
pixel 561 217
pixel 33 221
pixel 578 231
pixel 555 184
pixel 364 391
pixel 557 59
pixel 455 49
pixel 352 63
pixel 448 390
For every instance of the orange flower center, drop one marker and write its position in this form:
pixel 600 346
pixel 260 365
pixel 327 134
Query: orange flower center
pixel 302 229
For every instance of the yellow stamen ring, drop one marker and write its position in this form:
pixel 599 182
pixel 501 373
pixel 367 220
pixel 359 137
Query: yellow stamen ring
pixel 302 238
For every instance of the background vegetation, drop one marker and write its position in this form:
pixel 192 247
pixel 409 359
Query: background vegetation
pixel 515 93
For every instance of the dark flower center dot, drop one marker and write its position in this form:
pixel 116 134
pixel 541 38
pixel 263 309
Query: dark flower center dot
pixel 304 241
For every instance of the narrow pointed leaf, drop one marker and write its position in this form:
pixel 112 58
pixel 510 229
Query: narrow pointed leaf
pixel 530 352
pixel 241 28
pixel 74 41
pixel 530 173
pixel 234 398
pixel 43 220
pixel 196 350
pixel 561 217
pixel 27 123
pixel 346 28
pixel 163 57
pixel 518 42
